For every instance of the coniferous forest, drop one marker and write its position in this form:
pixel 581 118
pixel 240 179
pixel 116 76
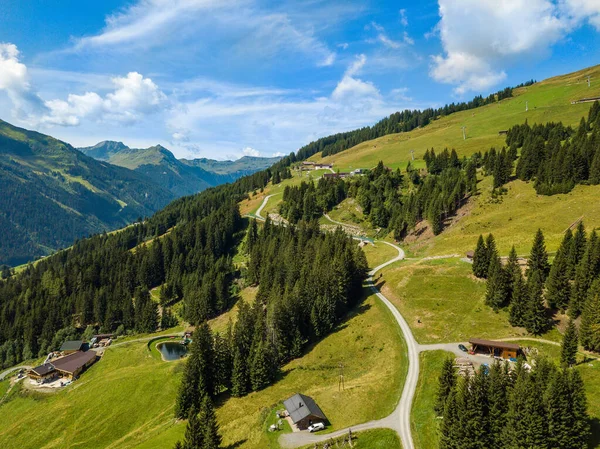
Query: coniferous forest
pixel 104 280
pixel 570 284
pixel 541 407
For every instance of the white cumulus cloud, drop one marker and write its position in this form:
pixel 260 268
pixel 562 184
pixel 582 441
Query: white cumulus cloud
pixel 133 97
pixel 350 88
pixel 480 37
pixel 249 151
pixel 15 82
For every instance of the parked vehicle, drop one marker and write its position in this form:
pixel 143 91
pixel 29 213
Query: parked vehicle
pixel 316 427
pixel 463 348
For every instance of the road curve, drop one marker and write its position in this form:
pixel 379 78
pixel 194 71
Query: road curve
pixel 399 419
pixel 5 374
pixel 264 203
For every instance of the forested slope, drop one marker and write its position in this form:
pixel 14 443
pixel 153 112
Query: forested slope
pixel 53 194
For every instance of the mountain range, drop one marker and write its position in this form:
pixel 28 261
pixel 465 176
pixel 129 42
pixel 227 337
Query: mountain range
pixel 53 194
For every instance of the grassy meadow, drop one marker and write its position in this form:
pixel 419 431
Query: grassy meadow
pixel 447 300
pixel 549 100
pixel 424 422
pixel 133 387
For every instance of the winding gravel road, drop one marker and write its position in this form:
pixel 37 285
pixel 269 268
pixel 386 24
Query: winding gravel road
pixel 399 419
pixel 264 203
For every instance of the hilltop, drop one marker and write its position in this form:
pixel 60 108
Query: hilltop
pixel 180 176
pixel 53 194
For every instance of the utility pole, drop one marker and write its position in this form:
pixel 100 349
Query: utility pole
pixel 412 153
pixel 464 134
pixel 341 381
pixel 526 106
pixel 588 78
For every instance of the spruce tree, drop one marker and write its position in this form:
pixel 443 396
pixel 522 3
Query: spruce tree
pixel 589 332
pixel 450 430
pixel 480 259
pixel 538 259
pixel 496 288
pixel 557 406
pixel 569 345
pixel 558 287
pixel 535 316
pixel 519 303
pixel 210 428
pixel 497 402
pixel 194 435
pixel 513 271
pixel 578 245
pixel 446 383
pixel 579 427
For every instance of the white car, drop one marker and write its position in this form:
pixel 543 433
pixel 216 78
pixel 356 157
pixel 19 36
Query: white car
pixel 316 427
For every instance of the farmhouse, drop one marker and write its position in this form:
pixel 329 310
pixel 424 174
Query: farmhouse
pixel 323 166
pixel 69 366
pixel 303 411
pixel 71 346
pixel 43 372
pixel 495 348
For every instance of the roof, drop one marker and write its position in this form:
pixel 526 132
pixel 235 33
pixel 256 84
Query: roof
pixel 44 369
pixel 72 362
pixel 300 406
pixel 494 344
pixel 101 336
pixel 71 345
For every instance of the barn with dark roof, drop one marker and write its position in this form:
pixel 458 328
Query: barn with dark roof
pixel 303 411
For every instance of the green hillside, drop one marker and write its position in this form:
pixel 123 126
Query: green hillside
pixel 52 194
pixel 547 101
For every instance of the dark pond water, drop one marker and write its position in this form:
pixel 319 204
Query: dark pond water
pixel 171 350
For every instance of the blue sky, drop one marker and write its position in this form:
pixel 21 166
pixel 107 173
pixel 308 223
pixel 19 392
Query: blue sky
pixel 224 78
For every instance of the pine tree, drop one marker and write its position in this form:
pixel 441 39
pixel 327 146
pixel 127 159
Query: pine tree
pixel 558 287
pixel 496 288
pixel 497 402
pixel 513 272
pixel 577 250
pixel 557 405
pixel 569 345
pixel 446 383
pixel 480 259
pixel 194 435
pixel 519 303
pixel 450 429
pixel 589 332
pixel 535 317
pixel 579 427
pixel 210 428
pixel 538 259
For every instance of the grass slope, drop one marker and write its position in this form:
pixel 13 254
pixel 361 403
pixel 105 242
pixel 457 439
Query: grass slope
pixel 424 422
pixel 447 299
pixel 126 400
pixel 374 358
pixel 549 100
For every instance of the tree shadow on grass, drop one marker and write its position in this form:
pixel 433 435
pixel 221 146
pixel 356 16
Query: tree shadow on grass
pixel 235 445
pixel 594 441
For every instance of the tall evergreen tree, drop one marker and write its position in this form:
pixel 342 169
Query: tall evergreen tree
pixel 480 259
pixel 211 439
pixel 496 288
pixel 538 259
pixel 446 383
pixel 535 317
pixel 194 435
pixel 578 245
pixel 519 303
pixel 589 331
pixel 569 345
pixel 558 287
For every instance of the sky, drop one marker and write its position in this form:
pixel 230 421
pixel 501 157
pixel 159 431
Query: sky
pixel 227 78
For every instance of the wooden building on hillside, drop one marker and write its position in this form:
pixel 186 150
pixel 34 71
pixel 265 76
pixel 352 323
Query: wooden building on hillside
pixel 74 364
pixel 495 348
pixel 43 373
pixel 71 346
pixel 303 411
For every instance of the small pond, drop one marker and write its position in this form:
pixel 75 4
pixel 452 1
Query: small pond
pixel 171 350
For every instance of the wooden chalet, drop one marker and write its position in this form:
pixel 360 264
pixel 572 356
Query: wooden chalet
pixel 71 346
pixel 495 348
pixel 303 411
